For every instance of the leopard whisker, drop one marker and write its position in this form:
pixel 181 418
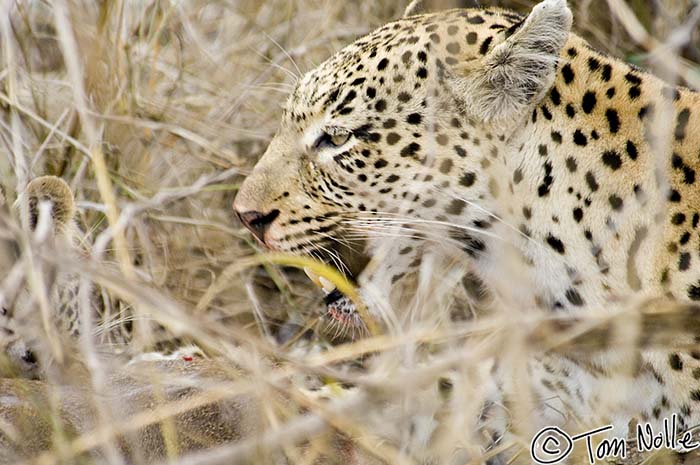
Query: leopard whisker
pixel 380 230
pixel 337 261
pixel 370 221
pixel 337 326
pixel 298 74
pixel 343 242
pixel 275 65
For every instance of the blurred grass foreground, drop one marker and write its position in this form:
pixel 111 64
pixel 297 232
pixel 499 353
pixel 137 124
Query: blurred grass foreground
pixel 153 112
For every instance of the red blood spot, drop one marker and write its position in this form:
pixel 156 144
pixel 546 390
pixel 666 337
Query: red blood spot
pixel 187 358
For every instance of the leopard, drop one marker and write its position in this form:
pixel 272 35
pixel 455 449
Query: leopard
pixel 19 314
pixel 43 221
pixel 47 208
pixel 562 178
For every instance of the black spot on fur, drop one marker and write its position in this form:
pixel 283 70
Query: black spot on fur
pixel 644 111
pixel 588 102
pixel 546 113
pixel 472 246
pixel 688 172
pixel 467 179
pixel 684 261
pixel 545 187
pixel 694 291
pixel 570 112
pixel 633 79
pixel 593 64
pixel 410 150
pixel 555 96
pixel 613 120
pixel 574 297
pixel 678 219
pixel 591 181
pixel 580 138
pixel 414 118
pixel 485 45
pixel 456 207
pixel 446 166
pixel 615 202
pixel 453 48
pixel 681 124
pixel 612 159
pixel 556 244
pixel 674 360
pixel 567 73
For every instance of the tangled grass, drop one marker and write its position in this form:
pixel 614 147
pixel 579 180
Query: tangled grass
pixel 153 112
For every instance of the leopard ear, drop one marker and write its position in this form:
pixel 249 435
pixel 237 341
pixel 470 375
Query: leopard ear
pixel 54 190
pixel 517 72
pixel 415 7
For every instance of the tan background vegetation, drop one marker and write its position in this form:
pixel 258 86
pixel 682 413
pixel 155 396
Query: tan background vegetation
pixel 156 111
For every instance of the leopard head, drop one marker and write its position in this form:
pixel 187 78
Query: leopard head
pixel 47 208
pixel 399 128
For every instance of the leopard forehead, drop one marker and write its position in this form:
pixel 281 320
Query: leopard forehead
pixel 393 63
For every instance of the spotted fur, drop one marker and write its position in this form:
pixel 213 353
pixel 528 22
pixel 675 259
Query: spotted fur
pixel 46 208
pixel 53 226
pixel 568 180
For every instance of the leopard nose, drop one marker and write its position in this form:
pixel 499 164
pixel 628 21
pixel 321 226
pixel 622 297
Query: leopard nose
pixel 28 357
pixel 258 223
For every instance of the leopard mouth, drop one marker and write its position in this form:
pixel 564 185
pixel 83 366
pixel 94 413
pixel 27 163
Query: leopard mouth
pixel 340 317
pixel 338 306
pixel 353 265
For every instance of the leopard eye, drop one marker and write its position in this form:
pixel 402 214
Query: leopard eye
pixel 335 140
pixel 340 139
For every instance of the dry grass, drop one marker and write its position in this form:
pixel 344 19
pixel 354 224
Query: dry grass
pixel 153 112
